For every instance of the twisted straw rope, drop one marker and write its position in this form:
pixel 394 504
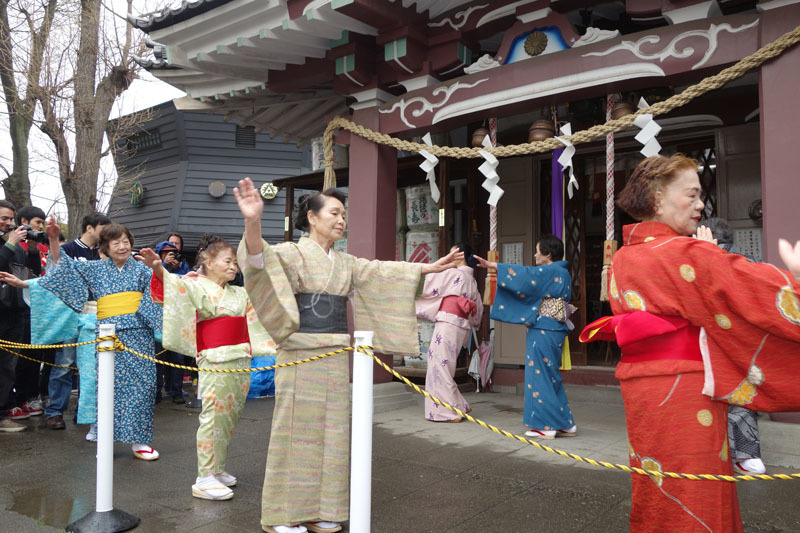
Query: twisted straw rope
pixel 757 58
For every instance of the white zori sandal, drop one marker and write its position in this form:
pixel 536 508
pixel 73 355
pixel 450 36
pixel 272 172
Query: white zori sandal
pixel 144 452
pixel 226 479
pixel 284 529
pixel 323 527
pixel 208 488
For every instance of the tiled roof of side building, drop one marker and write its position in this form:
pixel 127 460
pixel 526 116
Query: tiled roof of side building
pixel 170 16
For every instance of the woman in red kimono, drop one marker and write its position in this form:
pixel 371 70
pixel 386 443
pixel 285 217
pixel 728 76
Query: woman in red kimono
pixel 699 328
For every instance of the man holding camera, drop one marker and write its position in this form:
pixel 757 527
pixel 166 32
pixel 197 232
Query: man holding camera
pixel 15 323
pixel 171 378
pixel 26 401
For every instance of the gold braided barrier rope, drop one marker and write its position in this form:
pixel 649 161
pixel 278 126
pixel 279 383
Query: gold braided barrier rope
pixel 757 58
pixel 6 345
pixel 119 346
pixel 576 457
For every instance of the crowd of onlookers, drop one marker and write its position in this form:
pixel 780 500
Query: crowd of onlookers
pixel 30 388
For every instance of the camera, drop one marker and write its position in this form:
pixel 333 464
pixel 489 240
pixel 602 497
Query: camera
pixel 35 235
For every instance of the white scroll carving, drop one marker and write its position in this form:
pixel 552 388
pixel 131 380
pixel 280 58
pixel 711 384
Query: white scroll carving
pixel 425 105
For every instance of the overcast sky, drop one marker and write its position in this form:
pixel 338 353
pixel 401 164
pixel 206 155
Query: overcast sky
pixel 45 186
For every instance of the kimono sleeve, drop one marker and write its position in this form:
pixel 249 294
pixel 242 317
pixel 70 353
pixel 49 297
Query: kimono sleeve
pixel 261 344
pixel 52 321
pixel 517 290
pixel 149 311
pixel 69 281
pixel 428 303
pixel 384 303
pixel 182 298
pixel 475 320
pixel 269 289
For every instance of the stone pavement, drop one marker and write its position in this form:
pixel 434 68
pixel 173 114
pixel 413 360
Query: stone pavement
pixel 426 476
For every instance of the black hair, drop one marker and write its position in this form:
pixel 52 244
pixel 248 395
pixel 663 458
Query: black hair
pixel 8 205
pixel 178 235
pixel 313 202
pixel 29 212
pixel 94 220
pixel 206 240
pixel 720 230
pixel 468 254
pixel 551 245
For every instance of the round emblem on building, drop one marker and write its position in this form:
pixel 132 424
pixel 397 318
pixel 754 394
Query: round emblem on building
pixel 535 43
pixel 217 189
pixel 269 190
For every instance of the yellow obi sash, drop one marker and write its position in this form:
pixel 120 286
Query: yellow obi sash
pixel 121 303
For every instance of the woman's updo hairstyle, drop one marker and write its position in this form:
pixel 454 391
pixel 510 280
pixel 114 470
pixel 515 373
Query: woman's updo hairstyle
pixel 468 254
pixel 652 174
pixel 313 202
pixel 212 250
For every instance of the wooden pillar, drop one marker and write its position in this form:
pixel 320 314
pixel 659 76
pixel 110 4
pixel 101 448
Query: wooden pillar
pixel 780 115
pixel 372 198
pixel 445 203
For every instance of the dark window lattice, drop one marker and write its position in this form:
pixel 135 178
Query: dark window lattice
pixel 145 140
pixel 245 137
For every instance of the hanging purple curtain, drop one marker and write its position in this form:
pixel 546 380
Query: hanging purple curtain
pixel 557 198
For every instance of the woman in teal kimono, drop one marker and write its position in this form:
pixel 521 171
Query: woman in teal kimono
pixel 538 298
pixel 121 286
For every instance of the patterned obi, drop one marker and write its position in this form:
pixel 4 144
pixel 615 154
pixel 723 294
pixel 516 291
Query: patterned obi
pixel 643 336
pixel 554 308
pixel 221 331
pixel 458 306
pixel 322 313
pixel 121 303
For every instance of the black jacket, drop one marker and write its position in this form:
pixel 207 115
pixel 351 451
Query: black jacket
pixel 11 298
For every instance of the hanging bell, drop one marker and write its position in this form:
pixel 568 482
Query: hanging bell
pixel 478 136
pixel 621 108
pixel 541 130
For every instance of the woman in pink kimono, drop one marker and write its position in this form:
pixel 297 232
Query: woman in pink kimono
pixel 451 299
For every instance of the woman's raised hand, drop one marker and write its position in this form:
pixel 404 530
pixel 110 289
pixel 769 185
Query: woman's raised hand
pixel 13 280
pixel 451 260
pixel 52 229
pixel 791 256
pixel 483 263
pixel 250 203
pixel 149 258
pixel 704 234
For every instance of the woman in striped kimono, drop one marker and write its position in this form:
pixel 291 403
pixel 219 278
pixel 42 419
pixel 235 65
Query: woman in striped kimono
pixel 300 292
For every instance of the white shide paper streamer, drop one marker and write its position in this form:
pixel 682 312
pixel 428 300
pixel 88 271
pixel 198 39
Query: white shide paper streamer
pixel 489 169
pixel 649 131
pixel 565 159
pixel 428 165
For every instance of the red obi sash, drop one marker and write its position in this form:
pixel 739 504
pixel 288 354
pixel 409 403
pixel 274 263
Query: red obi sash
pixel 221 331
pixel 459 306
pixel 643 336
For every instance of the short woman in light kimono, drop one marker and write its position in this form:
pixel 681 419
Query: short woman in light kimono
pixel 451 300
pixel 121 285
pixel 204 315
pixel 300 293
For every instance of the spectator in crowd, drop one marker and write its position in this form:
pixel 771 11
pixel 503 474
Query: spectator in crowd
pixel 26 400
pixel 170 377
pixel 84 248
pixel 177 241
pixel 13 310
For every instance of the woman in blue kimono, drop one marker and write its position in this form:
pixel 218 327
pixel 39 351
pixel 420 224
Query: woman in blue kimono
pixel 121 286
pixel 538 298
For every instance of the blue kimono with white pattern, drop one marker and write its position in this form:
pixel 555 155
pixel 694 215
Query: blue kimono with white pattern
pixel 52 321
pixel 134 377
pixel 520 290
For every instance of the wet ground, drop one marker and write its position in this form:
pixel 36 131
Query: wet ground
pixel 426 477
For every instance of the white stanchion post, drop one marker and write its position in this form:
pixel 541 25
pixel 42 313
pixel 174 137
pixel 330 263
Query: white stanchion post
pixel 105 519
pixel 104 499
pixel 361 437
